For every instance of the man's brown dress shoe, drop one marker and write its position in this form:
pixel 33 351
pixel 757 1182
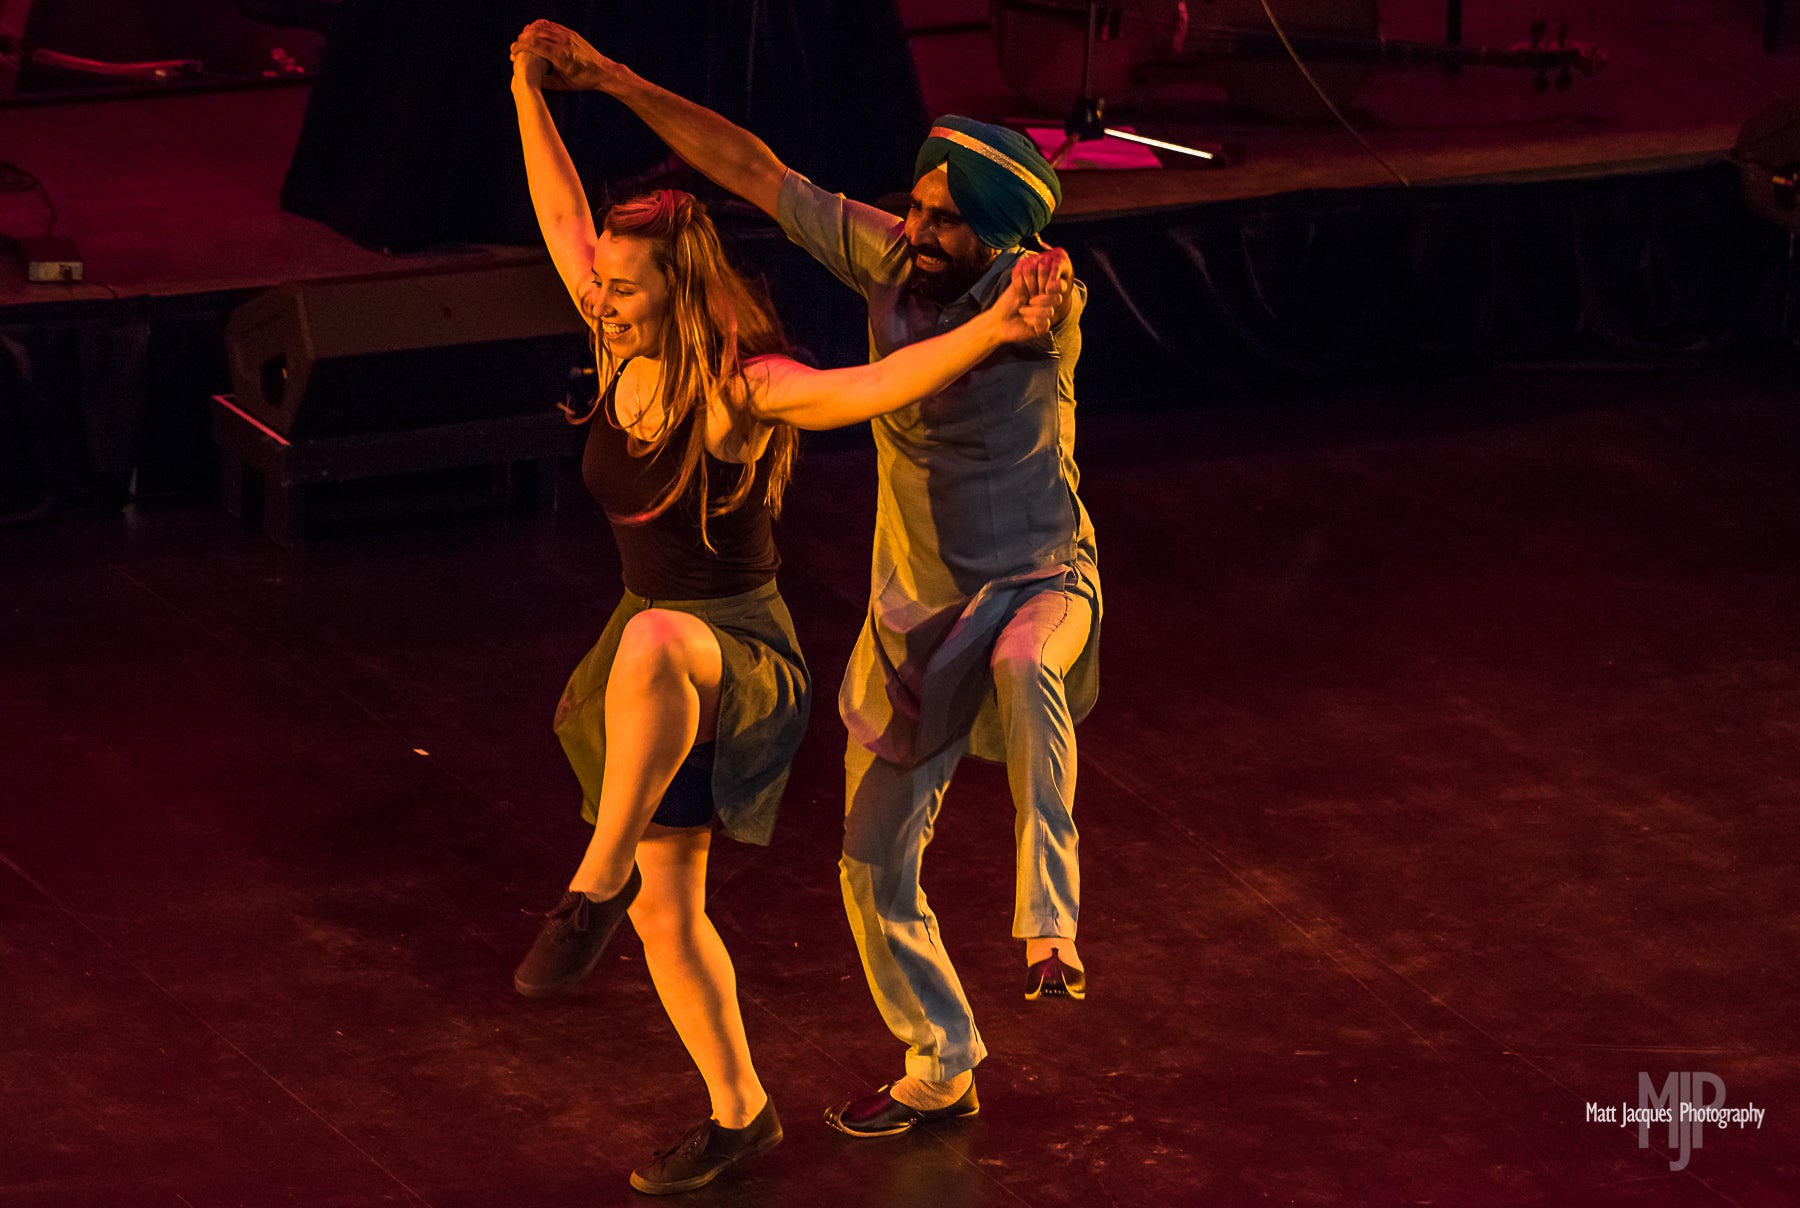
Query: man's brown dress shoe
pixel 882 1115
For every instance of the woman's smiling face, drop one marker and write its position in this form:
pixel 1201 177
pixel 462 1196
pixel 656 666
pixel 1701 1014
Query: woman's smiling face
pixel 631 297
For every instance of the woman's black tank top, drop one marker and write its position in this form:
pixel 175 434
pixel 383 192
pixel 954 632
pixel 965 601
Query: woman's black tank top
pixel 663 557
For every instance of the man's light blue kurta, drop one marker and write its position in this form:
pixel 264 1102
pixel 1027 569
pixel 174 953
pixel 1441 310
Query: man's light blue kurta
pixel 976 508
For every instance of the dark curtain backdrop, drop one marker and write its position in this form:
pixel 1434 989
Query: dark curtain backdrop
pixel 1328 287
pixel 410 140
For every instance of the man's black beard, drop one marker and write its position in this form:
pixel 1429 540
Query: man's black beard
pixel 946 285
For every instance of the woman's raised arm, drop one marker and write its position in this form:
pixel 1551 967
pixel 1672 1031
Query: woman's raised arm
pixel 556 193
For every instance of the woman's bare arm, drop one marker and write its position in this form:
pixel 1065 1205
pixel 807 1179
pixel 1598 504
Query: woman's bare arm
pixel 556 193
pixel 785 391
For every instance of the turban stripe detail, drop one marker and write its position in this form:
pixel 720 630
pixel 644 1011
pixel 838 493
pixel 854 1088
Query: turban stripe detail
pixel 1000 157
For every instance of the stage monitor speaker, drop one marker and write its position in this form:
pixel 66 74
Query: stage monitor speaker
pixel 354 355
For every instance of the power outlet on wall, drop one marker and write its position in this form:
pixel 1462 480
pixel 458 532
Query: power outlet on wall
pixel 51 258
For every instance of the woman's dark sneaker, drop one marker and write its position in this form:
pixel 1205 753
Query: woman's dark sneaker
pixel 573 936
pixel 705 1152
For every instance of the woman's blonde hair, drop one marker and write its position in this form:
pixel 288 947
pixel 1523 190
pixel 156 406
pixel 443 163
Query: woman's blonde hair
pixel 715 323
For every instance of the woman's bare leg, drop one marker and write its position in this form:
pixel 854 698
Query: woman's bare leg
pixel 662 696
pixel 692 970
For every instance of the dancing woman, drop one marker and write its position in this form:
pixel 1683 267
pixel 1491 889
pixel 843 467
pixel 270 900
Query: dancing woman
pixel 691 705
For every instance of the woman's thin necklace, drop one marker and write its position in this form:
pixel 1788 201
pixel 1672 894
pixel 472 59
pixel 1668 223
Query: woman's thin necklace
pixel 637 398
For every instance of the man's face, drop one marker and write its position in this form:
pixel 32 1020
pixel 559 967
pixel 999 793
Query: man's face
pixel 947 258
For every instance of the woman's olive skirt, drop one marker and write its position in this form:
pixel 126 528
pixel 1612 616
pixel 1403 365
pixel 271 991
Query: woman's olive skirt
pixel 764 698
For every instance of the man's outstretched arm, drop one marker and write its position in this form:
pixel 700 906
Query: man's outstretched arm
pixel 727 154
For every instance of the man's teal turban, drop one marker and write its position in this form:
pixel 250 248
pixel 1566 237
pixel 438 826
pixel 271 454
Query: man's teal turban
pixel 1004 187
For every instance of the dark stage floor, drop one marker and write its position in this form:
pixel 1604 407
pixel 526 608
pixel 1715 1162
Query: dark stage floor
pixel 1443 781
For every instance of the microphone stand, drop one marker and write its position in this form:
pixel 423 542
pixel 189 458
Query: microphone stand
pixel 1087 121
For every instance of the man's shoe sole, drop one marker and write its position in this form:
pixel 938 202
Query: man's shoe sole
pixel 831 1118
pixel 1050 978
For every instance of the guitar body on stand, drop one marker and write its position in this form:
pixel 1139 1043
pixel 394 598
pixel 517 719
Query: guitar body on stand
pixel 1148 45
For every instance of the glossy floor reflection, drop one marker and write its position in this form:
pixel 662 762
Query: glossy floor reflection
pixel 1442 783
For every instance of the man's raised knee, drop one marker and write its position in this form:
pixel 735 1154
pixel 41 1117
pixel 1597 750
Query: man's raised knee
pixel 1019 664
